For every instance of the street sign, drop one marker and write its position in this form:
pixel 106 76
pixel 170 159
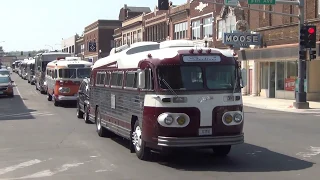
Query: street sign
pixel 240 39
pixel 231 2
pixel 264 2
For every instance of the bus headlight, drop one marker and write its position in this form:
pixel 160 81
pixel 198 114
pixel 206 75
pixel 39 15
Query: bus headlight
pixel 64 90
pixel 181 120
pixel 237 117
pixel 228 118
pixel 168 120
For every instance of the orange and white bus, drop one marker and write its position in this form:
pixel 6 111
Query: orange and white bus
pixel 63 77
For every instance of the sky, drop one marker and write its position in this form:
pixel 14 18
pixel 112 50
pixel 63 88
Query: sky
pixel 27 25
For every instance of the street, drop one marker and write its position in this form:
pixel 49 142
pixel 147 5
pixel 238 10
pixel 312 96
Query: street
pixel 41 141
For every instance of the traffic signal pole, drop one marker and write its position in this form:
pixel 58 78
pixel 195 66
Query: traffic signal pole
pixel 301 95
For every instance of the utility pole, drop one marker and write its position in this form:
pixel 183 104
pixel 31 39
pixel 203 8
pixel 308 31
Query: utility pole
pixel 301 95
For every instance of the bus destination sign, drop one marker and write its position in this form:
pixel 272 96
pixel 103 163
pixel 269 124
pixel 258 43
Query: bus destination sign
pixel 201 59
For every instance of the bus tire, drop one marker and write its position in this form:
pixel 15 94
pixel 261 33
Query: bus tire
pixel 222 151
pixel 49 97
pixel 102 131
pixel 79 112
pixel 55 102
pixel 140 148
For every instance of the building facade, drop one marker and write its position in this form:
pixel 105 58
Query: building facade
pixel 202 22
pixel 156 26
pixel 99 34
pixel 179 22
pixel 272 67
pixel 128 12
pixel 132 30
pixel 80 46
pixel 69 45
pixel 117 36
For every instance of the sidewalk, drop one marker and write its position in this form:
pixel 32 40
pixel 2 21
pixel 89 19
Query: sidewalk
pixel 279 104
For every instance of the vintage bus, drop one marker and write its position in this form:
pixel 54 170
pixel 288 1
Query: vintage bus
pixel 42 59
pixel 23 69
pixel 168 95
pixel 63 77
pixel 30 71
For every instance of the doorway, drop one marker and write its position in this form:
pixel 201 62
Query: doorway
pixel 272 80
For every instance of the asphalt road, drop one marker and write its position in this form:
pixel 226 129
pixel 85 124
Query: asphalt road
pixel 40 141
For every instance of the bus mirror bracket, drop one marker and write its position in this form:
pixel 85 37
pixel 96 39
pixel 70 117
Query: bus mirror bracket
pixel 243 77
pixel 141 79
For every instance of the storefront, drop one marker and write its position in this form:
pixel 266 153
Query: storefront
pixel 273 73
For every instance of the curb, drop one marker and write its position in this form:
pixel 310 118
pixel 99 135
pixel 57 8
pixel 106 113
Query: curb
pixel 292 110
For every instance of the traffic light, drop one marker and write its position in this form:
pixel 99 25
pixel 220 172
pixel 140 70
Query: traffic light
pixel 312 33
pixel 312 54
pixel 163 4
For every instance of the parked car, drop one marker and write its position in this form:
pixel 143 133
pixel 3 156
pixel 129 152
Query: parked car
pixel 6 86
pixel 5 72
pixel 83 106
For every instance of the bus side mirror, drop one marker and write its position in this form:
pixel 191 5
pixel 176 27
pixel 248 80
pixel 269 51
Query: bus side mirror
pixel 141 79
pixel 243 77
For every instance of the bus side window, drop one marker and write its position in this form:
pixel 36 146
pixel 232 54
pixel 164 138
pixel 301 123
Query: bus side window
pixel 55 73
pixel 98 76
pixel 131 80
pixel 114 77
pixel 149 81
pixel 107 79
pixel 120 79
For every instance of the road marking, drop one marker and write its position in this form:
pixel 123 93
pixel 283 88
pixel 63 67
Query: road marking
pixel 313 151
pixel 19 166
pixel 19 93
pixel 48 173
pixel 27 114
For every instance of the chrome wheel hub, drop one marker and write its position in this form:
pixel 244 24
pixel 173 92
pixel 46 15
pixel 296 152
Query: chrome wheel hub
pixel 136 138
pixel 98 122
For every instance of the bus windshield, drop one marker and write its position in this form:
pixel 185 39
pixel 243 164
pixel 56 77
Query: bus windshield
pixel 215 77
pixel 83 73
pixel 74 73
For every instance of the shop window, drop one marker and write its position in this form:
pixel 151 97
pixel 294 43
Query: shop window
pixel 264 75
pixel 280 75
pixel 196 30
pixel 292 69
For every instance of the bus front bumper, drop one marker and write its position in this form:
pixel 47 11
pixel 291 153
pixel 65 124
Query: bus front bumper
pixel 66 98
pixel 204 141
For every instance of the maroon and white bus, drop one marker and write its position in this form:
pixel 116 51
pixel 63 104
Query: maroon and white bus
pixel 168 95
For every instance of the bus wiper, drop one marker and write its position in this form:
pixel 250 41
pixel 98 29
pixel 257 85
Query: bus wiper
pixel 235 82
pixel 169 87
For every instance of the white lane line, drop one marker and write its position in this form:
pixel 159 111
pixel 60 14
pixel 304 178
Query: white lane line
pixel 19 93
pixel 313 151
pixel 19 166
pixel 26 114
pixel 48 173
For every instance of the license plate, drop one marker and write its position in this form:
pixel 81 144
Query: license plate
pixel 205 131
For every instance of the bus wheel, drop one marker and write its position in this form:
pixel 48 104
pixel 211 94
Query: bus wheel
pixel 55 102
pixel 49 97
pixel 222 150
pixel 102 131
pixel 142 151
pixel 79 112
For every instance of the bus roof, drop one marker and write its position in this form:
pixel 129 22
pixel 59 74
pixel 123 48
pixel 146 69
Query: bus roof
pixel 130 57
pixel 66 62
pixel 55 53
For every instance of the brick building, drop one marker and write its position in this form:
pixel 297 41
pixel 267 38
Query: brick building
pixel 156 26
pixel 101 32
pixel 202 22
pixel 128 12
pixel 179 21
pixel 272 68
pixel 80 46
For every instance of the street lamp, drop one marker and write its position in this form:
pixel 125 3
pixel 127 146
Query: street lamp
pixel 206 39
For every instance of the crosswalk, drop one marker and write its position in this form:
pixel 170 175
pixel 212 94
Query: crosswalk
pixel 48 168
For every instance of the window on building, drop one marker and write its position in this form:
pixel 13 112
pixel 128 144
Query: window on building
pixel 180 30
pixel 226 26
pixel 128 39
pixel 207 27
pixel 196 30
pixel 135 37
pixel 139 36
pixel 280 75
pixel 124 39
pixel 292 69
pixel 264 75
